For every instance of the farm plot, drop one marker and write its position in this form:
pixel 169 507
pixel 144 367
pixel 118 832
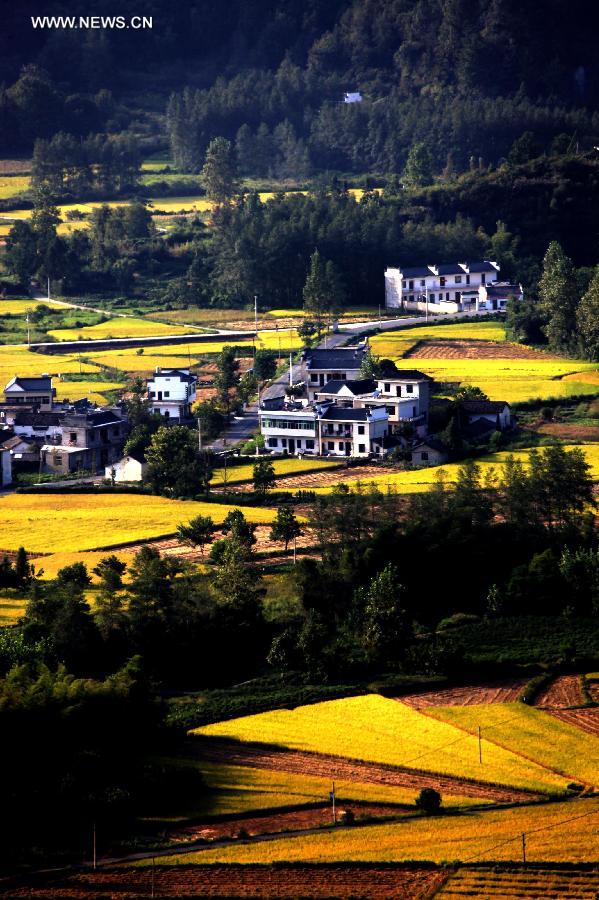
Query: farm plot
pixel 16 359
pixel 455 791
pixel 53 562
pixel 383 343
pixel 118 327
pixel 481 349
pixel 585 719
pixel 506 883
pixel 12 607
pixel 472 695
pixel 94 391
pixel 369 882
pixel 47 523
pixel 532 734
pixel 283 468
pixel 18 307
pixel 555 832
pixel 561 693
pixel 376 729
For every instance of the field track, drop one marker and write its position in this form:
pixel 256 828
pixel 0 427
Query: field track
pixel 463 349
pixel 269 882
pixel 262 756
pixel 539 882
pixel 471 695
pixel 585 719
pixel 561 693
pixel 289 820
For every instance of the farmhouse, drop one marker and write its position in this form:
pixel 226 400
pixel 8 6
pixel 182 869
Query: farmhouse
pixel 171 393
pixel 447 288
pixel 130 468
pixel 321 366
pixel 478 416
pixel 428 453
pixel 33 392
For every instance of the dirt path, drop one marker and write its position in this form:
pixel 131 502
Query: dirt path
pixel 263 881
pixel 261 756
pixel 561 693
pixel 473 695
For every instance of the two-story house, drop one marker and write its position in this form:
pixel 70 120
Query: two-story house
pixel 34 392
pixel 447 288
pixel 87 441
pixel 171 393
pixel 321 366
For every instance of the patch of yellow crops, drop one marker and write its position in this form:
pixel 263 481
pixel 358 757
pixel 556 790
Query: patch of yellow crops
pixel 376 729
pixel 11 609
pixel 16 359
pixel 48 523
pixel 285 338
pixel 236 474
pixel 117 327
pixel 471 331
pixel 563 748
pixel 417 480
pixel 93 390
pixel 52 564
pixel 483 835
pixel 16 307
pixel 239 789
pixel 10 185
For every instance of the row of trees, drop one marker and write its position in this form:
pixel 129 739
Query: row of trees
pixel 99 166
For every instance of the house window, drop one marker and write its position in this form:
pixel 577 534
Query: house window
pixel 467 279
pixel 73 437
pixel 330 445
pixel 57 460
pixel 442 281
pixel 424 456
pixel 483 278
pixel 411 285
pixel 458 279
pixel 361 448
pixel 309 445
pixel 273 442
pixel 422 282
pixel 411 298
pixel 413 412
pixel 298 444
pixel 167 393
pixel 283 442
pixel 361 429
pixel 314 378
pixel 447 295
pixel 409 388
pixel 431 297
pixel 387 388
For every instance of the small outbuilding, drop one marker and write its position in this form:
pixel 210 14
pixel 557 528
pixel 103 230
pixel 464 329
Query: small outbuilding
pixel 129 468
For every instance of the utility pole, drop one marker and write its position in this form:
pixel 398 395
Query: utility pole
pixel 426 302
pixel 380 323
pixel 28 331
pixel 524 848
pixel 294 550
pixel 95 854
pixel 480 747
pixel 153 865
pixel 334 809
pixel 290 369
pixel 225 459
pixel 48 288
pixel 256 313
pixel 199 435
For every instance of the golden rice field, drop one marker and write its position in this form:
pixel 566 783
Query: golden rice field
pixel 533 733
pixel 93 390
pixel 12 607
pixel 376 729
pixel 53 562
pixel 117 327
pixel 283 339
pixel 240 789
pixel 17 307
pixel 292 466
pixel 479 331
pixel 416 481
pixel 16 359
pixel 52 523
pixel 556 832
pixel 11 185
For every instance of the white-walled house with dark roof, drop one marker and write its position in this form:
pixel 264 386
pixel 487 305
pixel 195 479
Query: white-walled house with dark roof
pixel 446 288
pixel 339 364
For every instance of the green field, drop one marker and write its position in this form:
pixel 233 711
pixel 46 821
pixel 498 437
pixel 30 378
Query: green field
pixel 533 733
pixel 375 729
pixel 555 832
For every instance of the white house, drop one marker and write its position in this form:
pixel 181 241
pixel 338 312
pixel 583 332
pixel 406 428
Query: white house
pixel 322 366
pixel 495 296
pixel 447 288
pixel 352 97
pixel 129 468
pixel 291 428
pixel 428 453
pixel 171 393
pixel 493 413
pixel 5 468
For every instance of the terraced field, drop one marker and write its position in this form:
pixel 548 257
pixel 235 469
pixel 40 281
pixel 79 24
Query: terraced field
pixel 16 359
pixel 379 730
pixel 471 695
pixel 283 468
pixel 561 693
pixel 66 522
pixel 119 327
pixel 509 883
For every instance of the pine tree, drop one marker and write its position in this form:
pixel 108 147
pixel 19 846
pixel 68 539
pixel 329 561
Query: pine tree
pixel 419 166
pixel 587 319
pixel 559 299
pixel 219 173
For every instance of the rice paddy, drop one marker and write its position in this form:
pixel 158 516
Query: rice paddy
pixel 117 327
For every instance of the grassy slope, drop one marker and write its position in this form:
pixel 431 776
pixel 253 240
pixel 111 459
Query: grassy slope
pixel 376 729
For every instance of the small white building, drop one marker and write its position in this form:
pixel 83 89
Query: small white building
pixel 447 288
pixel 171 393
pixel 428 453
pixel 495 296
pixel 129 468
pixel 496 413
pixel 5 468
pixel 352 97
pixel 322 366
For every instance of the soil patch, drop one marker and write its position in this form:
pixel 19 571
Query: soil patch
pixel 561 693
pixel 473 695
pixel 265 757
pixel 440 348
pixel 568 432
pixel 585 719
pixel 269 882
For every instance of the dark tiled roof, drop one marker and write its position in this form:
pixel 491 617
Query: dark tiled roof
pixel 174 373
pixel 432 444
pixel 31 384
pixel 415 271
pixel 482 407
pixel 138 456
pixel 450 269
pixel 484 266
pixel 337 414
pixel 334 359
pixel 478 428
pixel 356 386
pixel 406 375
pixel 40 420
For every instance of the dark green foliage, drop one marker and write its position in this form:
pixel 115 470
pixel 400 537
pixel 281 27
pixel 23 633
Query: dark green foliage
pixel 263 476
pixel 429 801
pixel 198 533
pixel 265 364
pixel 175 468
pixel 219 173
pixel 285 527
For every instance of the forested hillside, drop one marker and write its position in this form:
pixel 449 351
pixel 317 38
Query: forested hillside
pixel 464 77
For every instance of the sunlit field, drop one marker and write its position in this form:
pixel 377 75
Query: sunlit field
pixel 53 562
pixel 118 327
pixel 11 185
pixel 556 832
pixel 292 466
pixel 533 733
pixel 16 359
pixel 478 331
pixel 49 523
pixel 376 729
pixel 17 307
pixel 94 391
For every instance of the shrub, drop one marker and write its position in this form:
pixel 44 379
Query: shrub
pixel 429 801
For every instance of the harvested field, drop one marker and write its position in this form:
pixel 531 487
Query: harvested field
pixel 464 349
pixel 473 695
pixel 585 719
pixel 508 883
pixel 563 692
pixel 568 431
pixel 310 480
pixel 327 766
pixel 289 820
pixel 407 883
